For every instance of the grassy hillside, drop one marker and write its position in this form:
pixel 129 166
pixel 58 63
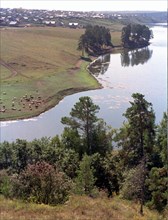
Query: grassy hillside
pixel 79 207
pixel 112 24
pixel 42 63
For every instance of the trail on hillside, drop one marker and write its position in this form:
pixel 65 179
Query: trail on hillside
pixel 13 71
pixel 76 67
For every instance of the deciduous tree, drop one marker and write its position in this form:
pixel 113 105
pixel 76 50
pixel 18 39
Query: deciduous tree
pixel 135 36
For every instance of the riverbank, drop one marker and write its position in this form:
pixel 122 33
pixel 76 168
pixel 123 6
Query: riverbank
pixel 30 106
pixel 38 72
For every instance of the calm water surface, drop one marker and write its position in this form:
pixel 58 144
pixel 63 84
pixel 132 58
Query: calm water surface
pixel 143 71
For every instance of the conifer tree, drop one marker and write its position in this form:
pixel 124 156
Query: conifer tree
pixel 83 119
pixel 85 176
pixel 137 139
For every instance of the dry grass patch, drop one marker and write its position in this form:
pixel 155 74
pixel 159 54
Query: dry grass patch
pixel 77 208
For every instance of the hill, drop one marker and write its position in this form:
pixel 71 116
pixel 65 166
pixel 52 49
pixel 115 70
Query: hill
pixel 35 62
pixel 34 65
pixel 78 207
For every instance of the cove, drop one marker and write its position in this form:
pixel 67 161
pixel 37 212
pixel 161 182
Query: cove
pixel 143 70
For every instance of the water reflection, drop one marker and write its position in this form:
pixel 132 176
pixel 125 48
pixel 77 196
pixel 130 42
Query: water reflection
pixel 113 100
pixel 128 58
pixel 100 65
pixel 136 57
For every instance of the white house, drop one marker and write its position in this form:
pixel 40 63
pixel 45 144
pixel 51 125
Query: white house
pixel 13 23
pixel 73 25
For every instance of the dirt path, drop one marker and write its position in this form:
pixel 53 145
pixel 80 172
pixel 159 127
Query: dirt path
pixel 76 67
pixel 12 70
pixel 78 64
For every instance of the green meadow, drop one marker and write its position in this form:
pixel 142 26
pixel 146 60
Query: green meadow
pixel 39 66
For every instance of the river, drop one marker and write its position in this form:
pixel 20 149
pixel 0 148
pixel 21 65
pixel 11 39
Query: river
pixel 143 71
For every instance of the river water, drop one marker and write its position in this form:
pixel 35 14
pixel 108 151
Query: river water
pixel 143 71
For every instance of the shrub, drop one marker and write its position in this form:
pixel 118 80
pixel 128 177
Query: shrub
pixel 133 185
pixel 5 183
pixel 42 183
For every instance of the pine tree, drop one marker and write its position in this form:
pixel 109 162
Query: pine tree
pixel 85 176
pixel 83 119
pixel 138 139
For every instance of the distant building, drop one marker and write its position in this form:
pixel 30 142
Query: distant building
pixel 73 25
pixel 52 22
pixel 13 23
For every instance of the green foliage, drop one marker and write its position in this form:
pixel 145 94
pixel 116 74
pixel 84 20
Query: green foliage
pixel 94 40
pixel 41 183
pixel 135 36
pixel 83 120
pixel 39 148
pixel 133 185
pixel 137 139
pixel 129 189
pixel 5 184
pixel 72 140
pixel 42 171
pixel 85 177
pixel 158 185
pixel 21 155
pixel 68 161
pixel 86 132
pixel 125 35
pixel 6 155
pixel 137 136
pixel 55 153
pixel 106 173
pixel 161 141
pixel 52 151
pixel 102 138
pixel 157 181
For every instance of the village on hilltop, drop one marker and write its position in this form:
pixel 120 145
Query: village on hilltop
pixel 19 17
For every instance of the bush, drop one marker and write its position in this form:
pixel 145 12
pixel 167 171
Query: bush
pixel 133 184
pixel 5 183
pixel 42 183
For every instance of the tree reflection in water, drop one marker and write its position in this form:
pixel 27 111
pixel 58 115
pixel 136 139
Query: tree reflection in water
pixel 100 65
pixel 128 58
pixel 135 57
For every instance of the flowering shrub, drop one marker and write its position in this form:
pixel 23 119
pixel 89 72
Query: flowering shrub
pixel 42 183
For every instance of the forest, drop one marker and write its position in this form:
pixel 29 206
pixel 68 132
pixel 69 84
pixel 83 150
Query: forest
pixel 91 156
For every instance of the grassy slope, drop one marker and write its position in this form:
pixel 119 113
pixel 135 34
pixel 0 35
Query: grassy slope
pixel 42 62
pixel 45 57
pixel 79 207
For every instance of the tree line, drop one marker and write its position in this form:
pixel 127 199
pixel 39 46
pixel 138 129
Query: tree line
pixel 83 159
pixel 97 39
